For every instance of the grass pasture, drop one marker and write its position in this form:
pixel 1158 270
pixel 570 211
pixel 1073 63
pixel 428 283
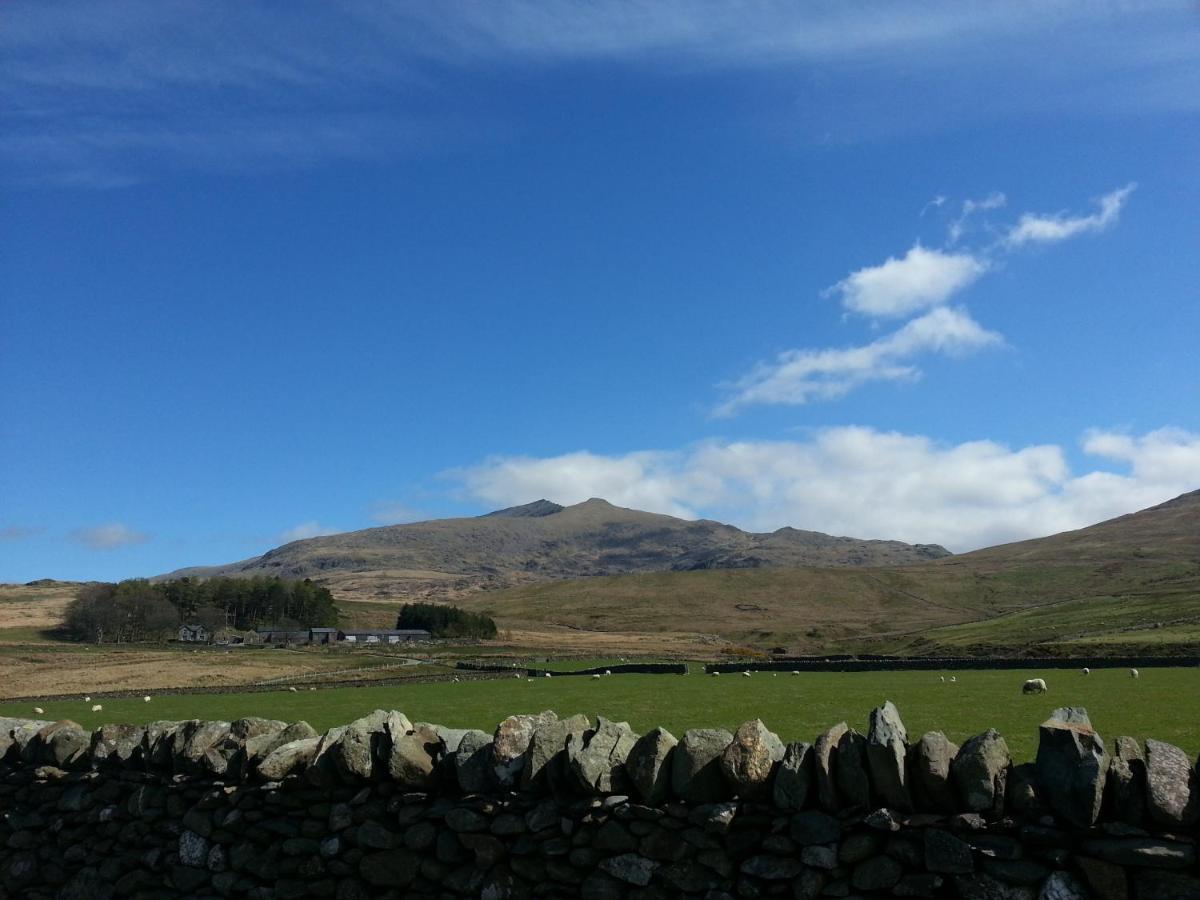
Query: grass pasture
pixel 1163 703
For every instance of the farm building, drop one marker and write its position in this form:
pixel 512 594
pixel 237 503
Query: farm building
pixel 194 634
pixel 323 635
pixel 385 636
pixel 284 635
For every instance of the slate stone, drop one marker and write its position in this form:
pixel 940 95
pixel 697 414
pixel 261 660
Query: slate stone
pixel 919 884
pixel 929 761
pixel 1021 794
pixel 1072 765
pixel 321 770
pixel 772 868
pixel 596 761
pixel 857 847
pixel 257 747
pixel 1126 784
pixel 1063 885
pixel 979 886
pixel 887 749
pixel 1142 852
pixel 545 762
pixel 390 868
pixel 814 827
pixel 877 874
pixel 979 772
pixel 794 777
pixel 947 854
pixel 750 759
pixel 825 766
pixel 201 738
pixel 1166 885
pixel 1172 795
pixel 853 782
pixel 696 765
pixel 649 766
pixel 1107 880
pixel 630 868
pixel 1016 871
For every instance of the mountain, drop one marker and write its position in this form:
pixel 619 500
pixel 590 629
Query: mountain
pixel 542 541
pixel 1130 584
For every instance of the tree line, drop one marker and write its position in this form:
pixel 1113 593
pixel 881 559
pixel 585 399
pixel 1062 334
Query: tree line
pixel 446 621
pixel 138 610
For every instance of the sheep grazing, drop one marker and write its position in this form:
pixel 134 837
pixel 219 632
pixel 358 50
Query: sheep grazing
pixel 97 707
pixel 146 699
pixel 293 690
pixel 715 674
pixel 1087 671
pixel 1133 673
pixel 87 699
pixel 795 671
pixel 608 671
pixel 943 677
pixel 596 675
pixel 39 710
pixel 746 674
pixel 547 674
pixel 1034 686
pixel 954 679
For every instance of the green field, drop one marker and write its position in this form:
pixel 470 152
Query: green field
pixel 1163 703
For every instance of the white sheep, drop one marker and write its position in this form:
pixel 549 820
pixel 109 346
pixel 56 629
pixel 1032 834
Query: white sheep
pixel 1034 686
pixel 293 690
pixel 39 710
pixel 1087 671
pixel 943 677
pixel 608 671
pixel 87 699
pixel 596 675
pixel 96 707
pixel 715 674
pixel 547 674
pixel 795 671
pixel 746 674
pixel 146 699
pixel 954 679
pixel 1133 673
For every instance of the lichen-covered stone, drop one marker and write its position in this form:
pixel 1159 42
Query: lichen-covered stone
pixel 1172 795
pixel 794 777
pixel 472 762
pixel 750 759
pixel 510 745
pixel 412 757
pixel 649 765
pixel 63 744
pixel 1072 765
pixel 887 749
pixel 979 772
pixel 116 745
pixel 288 759
pixel 1126 783
pixel 696 765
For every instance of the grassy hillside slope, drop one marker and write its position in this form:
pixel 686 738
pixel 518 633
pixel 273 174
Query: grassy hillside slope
pixel 1128 583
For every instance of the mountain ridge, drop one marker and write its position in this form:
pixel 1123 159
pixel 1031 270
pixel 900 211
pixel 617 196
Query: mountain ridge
pixel 544 541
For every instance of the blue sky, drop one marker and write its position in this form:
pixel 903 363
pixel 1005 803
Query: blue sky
pixel 909 270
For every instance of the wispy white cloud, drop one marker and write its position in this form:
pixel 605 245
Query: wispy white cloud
pixel 109 536
pixel 1047 229
pixel 867 483
pixel 958 227
pixel 305 530
pixel 392 512
pixel 918 280
pixel 799 376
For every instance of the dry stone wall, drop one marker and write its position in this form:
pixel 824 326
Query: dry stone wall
pixel 572 807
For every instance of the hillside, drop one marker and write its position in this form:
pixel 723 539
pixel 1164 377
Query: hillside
pixel 1131 582
pixel 542 541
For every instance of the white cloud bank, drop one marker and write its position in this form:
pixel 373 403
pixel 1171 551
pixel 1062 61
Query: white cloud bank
pixel 918 280
pixel 799 376
pixel 1038 228
pixel 109 536
pixel 866 483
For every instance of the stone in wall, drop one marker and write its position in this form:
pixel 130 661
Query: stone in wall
pixel 750 760
pixel 887 749
pixel 1172 797
pixel 979 772
pixel 929 762
pixel 696 765
pixel 1126 783
pixel 1072 765
pixel 649 765
pixel 511 744
pixel 853 782
pixel 794 778
pixel 545 764
pixel 825 766
pixel 596 759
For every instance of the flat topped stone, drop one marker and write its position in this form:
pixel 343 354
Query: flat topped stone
pixel 887 749
pixel 1072 765
pixel 750 759
pixel 545 759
